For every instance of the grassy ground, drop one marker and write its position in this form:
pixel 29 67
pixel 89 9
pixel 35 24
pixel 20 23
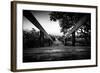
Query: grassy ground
pixel 56 53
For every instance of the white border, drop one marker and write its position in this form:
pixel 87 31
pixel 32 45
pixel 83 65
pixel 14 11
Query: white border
pixel 21 65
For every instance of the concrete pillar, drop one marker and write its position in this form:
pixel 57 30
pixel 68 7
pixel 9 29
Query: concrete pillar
pixel 41 39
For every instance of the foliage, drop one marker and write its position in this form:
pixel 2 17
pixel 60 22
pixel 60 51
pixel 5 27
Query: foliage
pixel 67 20
pixel 30 39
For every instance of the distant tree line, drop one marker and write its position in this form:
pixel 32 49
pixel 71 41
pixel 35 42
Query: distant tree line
pixel 32 39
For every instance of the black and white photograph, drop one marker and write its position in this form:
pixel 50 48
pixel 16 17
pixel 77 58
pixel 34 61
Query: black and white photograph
pixel 53 36
pixel 56 36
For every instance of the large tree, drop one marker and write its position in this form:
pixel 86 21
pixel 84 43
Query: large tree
pixel 68 20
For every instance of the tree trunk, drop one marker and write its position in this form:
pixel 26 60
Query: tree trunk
pixel 73 39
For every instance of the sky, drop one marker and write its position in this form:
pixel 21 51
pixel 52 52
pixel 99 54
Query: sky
pixel 43 18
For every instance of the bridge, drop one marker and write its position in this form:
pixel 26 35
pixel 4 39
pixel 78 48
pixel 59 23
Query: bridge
pixel 35 22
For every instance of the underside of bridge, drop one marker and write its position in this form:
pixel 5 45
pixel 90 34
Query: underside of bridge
pixel 28 14
pixel 35 22
pixel 75 28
